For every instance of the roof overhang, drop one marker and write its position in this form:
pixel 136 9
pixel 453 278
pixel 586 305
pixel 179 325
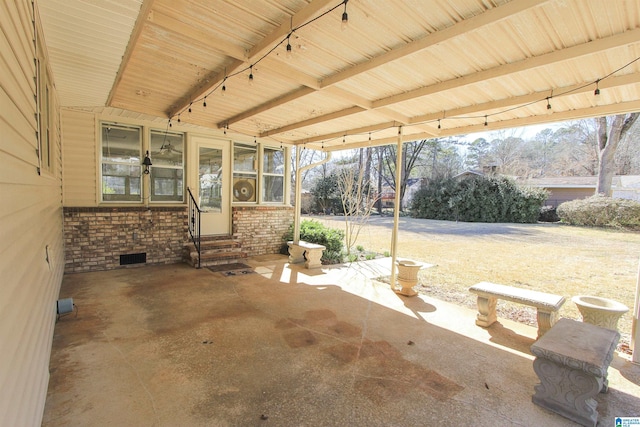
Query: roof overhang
pixel 436 68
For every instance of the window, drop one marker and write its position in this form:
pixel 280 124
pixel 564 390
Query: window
pixel 273 163
pixel 245 172
pixel 121 163
pixel 167 171
pixel 45 112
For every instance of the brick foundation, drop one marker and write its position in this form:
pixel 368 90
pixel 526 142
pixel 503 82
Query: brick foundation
pixel 96 237
pixel 261 228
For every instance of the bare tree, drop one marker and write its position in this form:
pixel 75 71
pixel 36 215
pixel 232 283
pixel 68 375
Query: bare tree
pixel 410 155
pixel 609 132
pixel 358 201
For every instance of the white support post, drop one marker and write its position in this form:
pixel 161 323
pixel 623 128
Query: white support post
pixel 396 209
pixel 298 189
pixel 635 330
pixel 297 199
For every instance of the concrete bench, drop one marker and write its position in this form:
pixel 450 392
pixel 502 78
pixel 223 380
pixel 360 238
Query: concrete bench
pixel 572 360
pixel 310 253
pixel 488 294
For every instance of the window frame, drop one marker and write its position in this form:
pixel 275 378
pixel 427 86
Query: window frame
pixel 264 175
pixel 103 162
pixel 240 174
pixel 156 166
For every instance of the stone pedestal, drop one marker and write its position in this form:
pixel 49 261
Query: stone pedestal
pixel 571 362
pixel 408 277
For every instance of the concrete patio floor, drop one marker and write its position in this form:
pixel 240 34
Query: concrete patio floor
pixel 284 346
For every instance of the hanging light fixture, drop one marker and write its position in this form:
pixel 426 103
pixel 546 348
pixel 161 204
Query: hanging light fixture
pixel 146 163
pixel 345 17
pixel 251 74
pixel 549 110
pixel 289 50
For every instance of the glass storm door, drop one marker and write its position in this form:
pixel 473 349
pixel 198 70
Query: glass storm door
pixel 213 191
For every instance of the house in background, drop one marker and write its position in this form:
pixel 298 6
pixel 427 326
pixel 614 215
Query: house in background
pixel 566 188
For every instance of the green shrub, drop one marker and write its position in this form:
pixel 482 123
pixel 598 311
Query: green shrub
pixel 314 232
pixel 360 248
pixel 548 214
pixel 478 199
pixel 601 211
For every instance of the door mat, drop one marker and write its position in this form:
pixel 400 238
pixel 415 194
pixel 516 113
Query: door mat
pixel 235 269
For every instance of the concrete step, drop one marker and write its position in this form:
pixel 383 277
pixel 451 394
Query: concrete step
pixel 215 250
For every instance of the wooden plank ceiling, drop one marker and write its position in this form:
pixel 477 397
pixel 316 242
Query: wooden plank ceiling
pixel 436 67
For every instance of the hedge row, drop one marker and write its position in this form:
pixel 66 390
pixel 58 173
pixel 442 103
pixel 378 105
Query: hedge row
pixel 478 199
pixel 600 211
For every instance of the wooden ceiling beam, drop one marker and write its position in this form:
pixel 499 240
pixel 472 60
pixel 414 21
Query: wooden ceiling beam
pixel 489 17
pixel 587 87
pixel 311 10
pixel 600 45
pixel 292 96
pixel 313 121
pixel 143 15
pixel 361 130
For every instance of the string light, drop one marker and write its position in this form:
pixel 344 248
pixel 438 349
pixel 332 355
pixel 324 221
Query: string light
pixel 289 47
pixel 170 125
pixel 204 103
pixel 344 25
pixel 345 17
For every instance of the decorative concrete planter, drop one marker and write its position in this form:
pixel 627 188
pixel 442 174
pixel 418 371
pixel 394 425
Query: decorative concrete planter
pixel 600 311
pixel 408 277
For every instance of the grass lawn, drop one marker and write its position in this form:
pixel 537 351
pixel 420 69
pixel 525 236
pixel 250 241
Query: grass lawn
pixel 552 258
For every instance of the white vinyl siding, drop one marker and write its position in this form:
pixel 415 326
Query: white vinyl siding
pixel 30 225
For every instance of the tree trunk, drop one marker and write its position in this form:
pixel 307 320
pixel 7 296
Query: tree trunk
pixel 608 138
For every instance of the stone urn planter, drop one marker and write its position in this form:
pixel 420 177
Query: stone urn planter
pixel 408 277
pixel 600 311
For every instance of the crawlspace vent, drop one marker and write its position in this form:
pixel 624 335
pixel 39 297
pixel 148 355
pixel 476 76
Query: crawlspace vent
pixel 127 259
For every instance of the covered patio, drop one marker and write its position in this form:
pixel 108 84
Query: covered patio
pixel 276 344
pixel 169 345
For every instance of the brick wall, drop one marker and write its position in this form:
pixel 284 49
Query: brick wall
pixel 261 228
pixel 96 237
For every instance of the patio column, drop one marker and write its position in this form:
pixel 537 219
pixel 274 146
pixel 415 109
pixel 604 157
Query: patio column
pixel 298 190
pixel 396 208
pixel 635 330
pixel 297 199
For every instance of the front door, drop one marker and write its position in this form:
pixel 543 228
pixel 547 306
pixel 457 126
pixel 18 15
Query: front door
pixel 213 185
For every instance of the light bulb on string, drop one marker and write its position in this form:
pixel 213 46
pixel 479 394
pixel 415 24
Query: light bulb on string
pixel 189 107
pixel 178 118
pixel 170 125
pixel 439 127
pixel 345 17
pixel 486 123
pixel 289 50
pixel 204 102
pixel 549 108
pixel 251 75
